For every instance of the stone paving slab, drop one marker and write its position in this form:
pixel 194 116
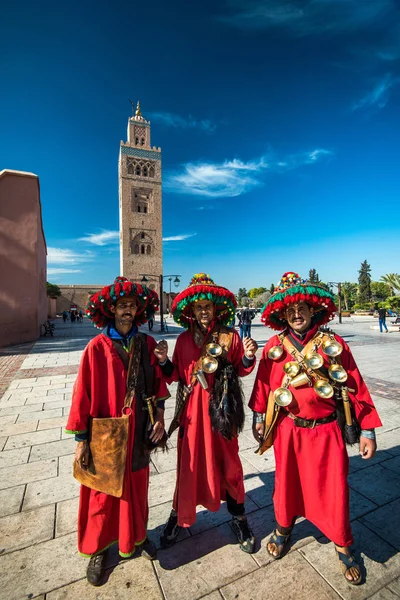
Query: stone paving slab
pixel 202 564
pixel 31 439
pixel 291 578
pixel 52 449
pixel 385 521
pixel 50 491
pixel 67 516
pixel 25 417
pixel 26 473
pixel 365 482
pixel 18 410
pixel 380 560
pixel 25 529
pixel 11 500
pixel 18 456
pixel 40 568
pixel 132 580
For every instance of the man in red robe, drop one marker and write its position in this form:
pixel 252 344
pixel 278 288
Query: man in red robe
pixel 99 391
pixel 303 377
pixel 209 420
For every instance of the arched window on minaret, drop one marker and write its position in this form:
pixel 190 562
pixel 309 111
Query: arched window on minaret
pixel 136 141
pixel 142 249
pixel 130 167
pixel 144 171
pixel 151 172
pixel 142 141
pixel 149 249
pixel 138 208
pixel 138 170
pixel 136 249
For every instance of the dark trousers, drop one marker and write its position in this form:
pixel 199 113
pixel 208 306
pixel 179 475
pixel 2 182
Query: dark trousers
pixel 245 331
pixel 235 509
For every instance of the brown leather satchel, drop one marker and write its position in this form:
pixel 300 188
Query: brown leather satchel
pixel 108 442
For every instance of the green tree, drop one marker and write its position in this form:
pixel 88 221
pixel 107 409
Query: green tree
pixel 254 292
pixel 393 281
pixel 241 294
pixel 259 301
pixel 313 276
pixel 349 293
pixel 380 290
pixel 272 288
pixel 53 291
pixel 364 283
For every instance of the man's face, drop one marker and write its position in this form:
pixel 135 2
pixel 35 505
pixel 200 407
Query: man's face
pixel 299 316
pixel 204 312
pixel 125 310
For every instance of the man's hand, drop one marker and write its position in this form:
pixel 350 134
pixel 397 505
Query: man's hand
pixel 250 347
pixel 258 431
pixel 82 454
pixel 161 351
pixel 367 448
pixel 158 427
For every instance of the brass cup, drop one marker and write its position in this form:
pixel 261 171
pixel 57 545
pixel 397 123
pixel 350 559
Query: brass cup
pixel 302 379
pixel 332 348
pixel 314 360
pixel 282 396
pixel 291 368
pixel 201 378
pixel 209 364
pixel 275 352
pixel 337 373
pixel 323 388
pixel 214 349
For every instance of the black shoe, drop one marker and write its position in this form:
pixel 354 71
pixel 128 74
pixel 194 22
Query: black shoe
pixel 96 569
pixel 170 531
pixel 148 550
pixel 244 534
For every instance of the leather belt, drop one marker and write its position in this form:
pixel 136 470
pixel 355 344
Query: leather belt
pixel 311 423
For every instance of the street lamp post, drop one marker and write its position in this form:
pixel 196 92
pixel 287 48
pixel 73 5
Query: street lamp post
pixel 339 291
pixel 161 281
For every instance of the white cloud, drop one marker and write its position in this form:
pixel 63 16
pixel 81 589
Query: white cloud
pixel 60 271
pixel 101 239
pixel 235 177
pixel 178 238
pixel 307 17
pixel 378 97
pixel 178 122
pixel 57 256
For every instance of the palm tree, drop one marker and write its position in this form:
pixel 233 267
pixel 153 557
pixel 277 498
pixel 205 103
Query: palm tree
pixel 393 281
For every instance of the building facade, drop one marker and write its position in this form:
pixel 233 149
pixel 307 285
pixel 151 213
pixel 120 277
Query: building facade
pixel 23 295
pixel 140 204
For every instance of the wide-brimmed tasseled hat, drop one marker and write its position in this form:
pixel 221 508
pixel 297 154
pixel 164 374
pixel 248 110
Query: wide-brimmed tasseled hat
pixel 292 289
pixel 202 287
pixel 98 308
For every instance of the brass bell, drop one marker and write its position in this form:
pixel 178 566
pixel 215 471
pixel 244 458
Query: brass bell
pixel 302 379
pixel 314 360
pixel 275 352
pixel 323 388
pixel 282 396
pixel 332 348
pixel 291 368
pixel 337 373
pixel 214 349
pixel 209 364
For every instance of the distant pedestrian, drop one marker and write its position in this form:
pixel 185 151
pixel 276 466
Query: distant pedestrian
pixel 382 319
pixel 246 317
pixel 73 316
pixel 65 315
pixel 150 317
pixel 80 316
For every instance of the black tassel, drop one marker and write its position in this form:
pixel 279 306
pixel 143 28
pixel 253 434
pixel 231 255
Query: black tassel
pixel 226 407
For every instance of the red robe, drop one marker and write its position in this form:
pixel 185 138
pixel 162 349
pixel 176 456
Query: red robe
pixel 208 464
pixel 99 391
pixel 312 464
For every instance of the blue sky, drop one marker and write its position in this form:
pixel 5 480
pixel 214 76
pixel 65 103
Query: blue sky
pixel 278 122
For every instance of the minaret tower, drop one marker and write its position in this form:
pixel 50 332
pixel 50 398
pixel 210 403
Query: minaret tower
pixel 140 203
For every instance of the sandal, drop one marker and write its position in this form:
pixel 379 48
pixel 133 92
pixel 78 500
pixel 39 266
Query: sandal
pixel 347 562
pixel 280 542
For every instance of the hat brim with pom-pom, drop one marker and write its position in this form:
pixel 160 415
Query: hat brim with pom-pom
pixel 202 287
pixel 292 290
pixel 98 308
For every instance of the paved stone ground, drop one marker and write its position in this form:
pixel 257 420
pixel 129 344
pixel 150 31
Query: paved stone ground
pixel 38 496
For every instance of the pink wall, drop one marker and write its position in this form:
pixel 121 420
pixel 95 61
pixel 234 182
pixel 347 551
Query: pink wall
pixel 23 299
